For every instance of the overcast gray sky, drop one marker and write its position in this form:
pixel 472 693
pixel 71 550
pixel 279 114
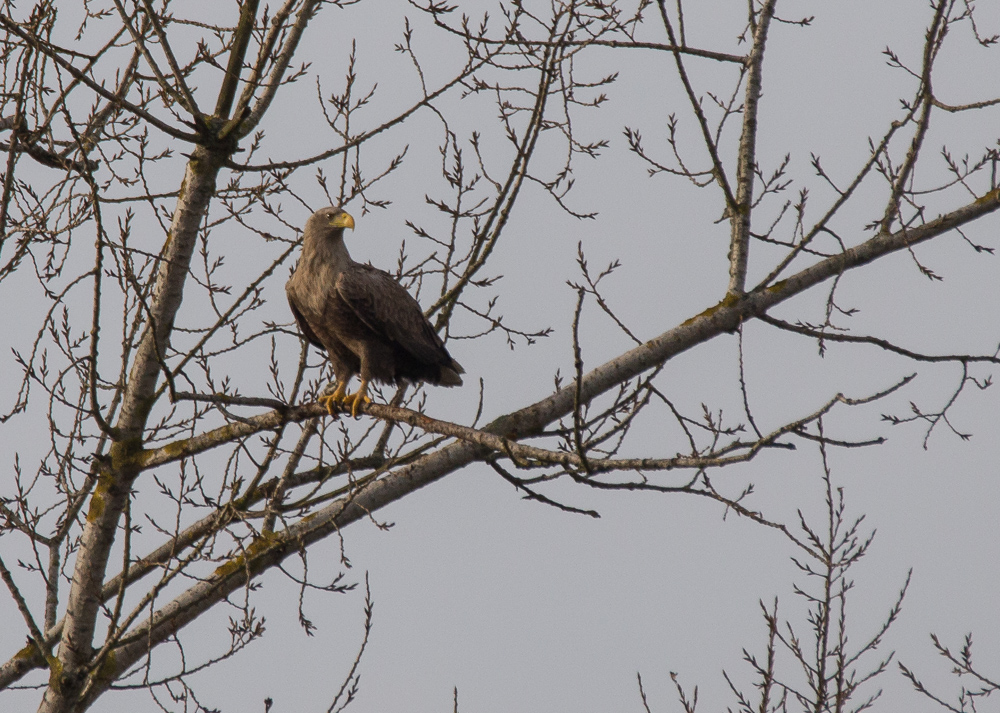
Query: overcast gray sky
pixel 525 608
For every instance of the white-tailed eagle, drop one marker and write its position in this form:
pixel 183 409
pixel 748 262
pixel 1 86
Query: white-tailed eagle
pixel 364 319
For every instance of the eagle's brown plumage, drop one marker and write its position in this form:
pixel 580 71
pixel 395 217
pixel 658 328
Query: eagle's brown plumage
pixel 361 316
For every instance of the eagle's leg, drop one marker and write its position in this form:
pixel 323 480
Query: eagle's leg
pixel 360 397
pixel 337 396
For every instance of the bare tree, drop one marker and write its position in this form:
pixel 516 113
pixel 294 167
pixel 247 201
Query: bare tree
pixel 145 401
pixel 823 668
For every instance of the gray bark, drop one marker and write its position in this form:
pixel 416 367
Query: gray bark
pixel 72 663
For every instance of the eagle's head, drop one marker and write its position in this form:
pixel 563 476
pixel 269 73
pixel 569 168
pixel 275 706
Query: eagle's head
pixel 329 222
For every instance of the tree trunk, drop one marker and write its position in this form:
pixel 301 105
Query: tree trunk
pixel 74 670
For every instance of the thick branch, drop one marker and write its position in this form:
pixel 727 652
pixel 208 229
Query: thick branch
pixel 241 40
pixel 739 244
pixel 306 12
pixel 722 318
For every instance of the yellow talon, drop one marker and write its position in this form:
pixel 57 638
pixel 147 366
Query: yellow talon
pixel 340 398
pixel 328 402
pixel 353 400
pixel 361 397
pixel 336 397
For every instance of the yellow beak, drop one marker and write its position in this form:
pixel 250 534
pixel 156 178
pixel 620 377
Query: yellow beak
pixel 342 220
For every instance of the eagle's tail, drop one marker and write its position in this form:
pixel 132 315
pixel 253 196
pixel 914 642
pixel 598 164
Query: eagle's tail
pixel 450 374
